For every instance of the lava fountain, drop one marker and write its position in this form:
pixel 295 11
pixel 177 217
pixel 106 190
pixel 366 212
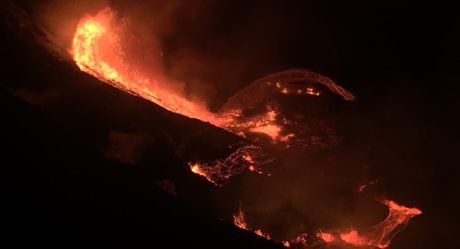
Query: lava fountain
pixel 97 50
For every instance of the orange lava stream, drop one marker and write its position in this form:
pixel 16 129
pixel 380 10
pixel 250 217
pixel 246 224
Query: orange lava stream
pixel 97 50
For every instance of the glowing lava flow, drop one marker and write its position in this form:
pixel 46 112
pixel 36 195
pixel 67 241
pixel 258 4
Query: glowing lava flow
pixel 97 50
pixel 219 171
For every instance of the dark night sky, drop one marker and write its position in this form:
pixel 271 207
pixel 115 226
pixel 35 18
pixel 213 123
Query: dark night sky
pixel 401 60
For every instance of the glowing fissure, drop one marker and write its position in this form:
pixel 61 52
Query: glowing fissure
pixel 219 171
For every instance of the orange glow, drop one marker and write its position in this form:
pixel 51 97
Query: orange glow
pixel 196 169
pixel 395 207
pixel 199 170
pixel 271 130
pixel 87 34
pixel 248 158
pixel 352 237
pixel 262 234
pixel 97 49
pixel 240 221
pixel 299 242
pixel 327 237
pixel 312 91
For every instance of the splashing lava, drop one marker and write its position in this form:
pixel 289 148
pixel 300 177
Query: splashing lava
pixel 97 50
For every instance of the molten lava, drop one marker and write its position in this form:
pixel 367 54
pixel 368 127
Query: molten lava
pixel 327 237
pixel 86 55
pixel 98 49
pixel 219 171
